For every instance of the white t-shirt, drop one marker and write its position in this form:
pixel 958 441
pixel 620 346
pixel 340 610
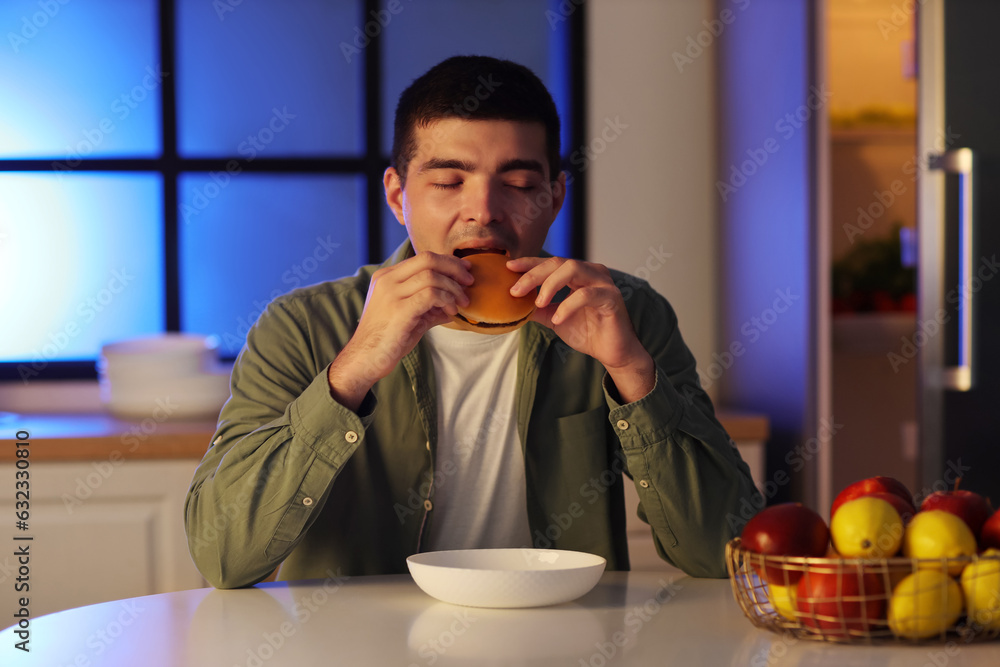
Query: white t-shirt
pixel 479 492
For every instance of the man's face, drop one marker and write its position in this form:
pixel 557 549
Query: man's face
pixel 477 184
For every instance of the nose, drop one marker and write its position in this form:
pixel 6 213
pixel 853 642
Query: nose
pixel 483 201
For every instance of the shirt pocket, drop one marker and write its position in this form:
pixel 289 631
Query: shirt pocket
pixel 582 445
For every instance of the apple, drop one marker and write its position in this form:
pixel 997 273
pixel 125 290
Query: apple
pixel 866 487
pixel 904 507
pixel 788 529
pixel 989 537
pixel 838 598
pixel 969 506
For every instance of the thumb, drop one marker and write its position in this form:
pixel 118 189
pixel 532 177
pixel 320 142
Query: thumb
pixel 544 315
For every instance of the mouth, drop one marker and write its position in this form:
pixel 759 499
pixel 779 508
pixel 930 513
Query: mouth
pixel 465 252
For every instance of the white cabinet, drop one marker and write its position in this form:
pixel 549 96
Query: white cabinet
pixel 102 531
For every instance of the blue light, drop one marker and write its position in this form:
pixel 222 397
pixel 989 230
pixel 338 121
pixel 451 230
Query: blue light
pixel 267 79
pixel 81 263
pixel 423 34
pixel 79 80
pixel 259 236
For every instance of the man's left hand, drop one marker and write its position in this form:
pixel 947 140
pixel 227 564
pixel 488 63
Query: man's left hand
pixel 591 320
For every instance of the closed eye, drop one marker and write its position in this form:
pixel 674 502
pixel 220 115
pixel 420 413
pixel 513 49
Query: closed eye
pixel 447 186
pixel 523 188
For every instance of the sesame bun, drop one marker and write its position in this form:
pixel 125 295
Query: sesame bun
pixel 492 309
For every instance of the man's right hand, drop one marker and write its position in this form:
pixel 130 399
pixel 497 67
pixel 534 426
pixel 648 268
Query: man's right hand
pixel 404 301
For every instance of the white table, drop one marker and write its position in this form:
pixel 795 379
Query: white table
pixel 639 618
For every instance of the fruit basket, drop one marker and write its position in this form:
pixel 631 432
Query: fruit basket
pixel 869 601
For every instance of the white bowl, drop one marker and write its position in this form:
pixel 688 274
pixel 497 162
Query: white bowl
pixel 505 578
pixel 159 355
pixel 198 396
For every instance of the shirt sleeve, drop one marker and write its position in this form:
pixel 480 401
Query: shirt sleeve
pixel 281 441
pixel 687 471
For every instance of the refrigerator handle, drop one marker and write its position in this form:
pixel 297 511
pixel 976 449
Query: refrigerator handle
pixel 959 161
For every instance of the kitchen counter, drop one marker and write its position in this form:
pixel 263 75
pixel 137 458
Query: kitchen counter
pixel 90 437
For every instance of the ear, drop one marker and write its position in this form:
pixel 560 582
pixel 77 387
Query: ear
pixel 394 193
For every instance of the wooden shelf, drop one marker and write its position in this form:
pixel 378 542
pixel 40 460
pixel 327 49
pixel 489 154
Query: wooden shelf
pixel 872 333
pixel 874 135
pixel 95 437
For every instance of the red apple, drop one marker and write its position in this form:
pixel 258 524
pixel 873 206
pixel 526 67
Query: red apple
pixel 839 598
pixel 788 529
pixel 969 506
pixel 866 487
pixel 904 507
pixel 989 538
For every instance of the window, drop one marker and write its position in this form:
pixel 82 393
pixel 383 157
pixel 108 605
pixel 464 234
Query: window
pixel 174 165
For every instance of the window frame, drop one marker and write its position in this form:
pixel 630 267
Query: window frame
pixel 370 165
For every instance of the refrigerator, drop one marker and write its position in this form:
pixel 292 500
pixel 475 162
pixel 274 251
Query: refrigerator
pixel 958 221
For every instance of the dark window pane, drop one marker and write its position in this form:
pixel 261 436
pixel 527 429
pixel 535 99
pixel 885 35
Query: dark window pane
pixel 260 236
pixel 267 79
pixel 79 79
pixel 421 34
pixel 81 263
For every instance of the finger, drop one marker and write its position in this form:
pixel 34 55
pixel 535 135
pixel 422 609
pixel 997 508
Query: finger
pixel 594 297
pixel 434 298
pixel 570 273
pixel 431 280
pixel 540 269
pixel 456 268
pixel 544 316
pixel 525 264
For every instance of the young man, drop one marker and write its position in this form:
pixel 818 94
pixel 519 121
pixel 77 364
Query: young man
pixel 362 428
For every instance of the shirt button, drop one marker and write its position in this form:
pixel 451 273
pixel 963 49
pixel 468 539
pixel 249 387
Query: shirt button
pixel 644 484
pixel 307 501
pixel 622 424
pixel 428 505
pixel 351 437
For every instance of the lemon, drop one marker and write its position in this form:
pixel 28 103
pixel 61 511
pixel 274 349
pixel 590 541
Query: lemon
pixel 924 604
pixel 981 585
pixel 866 527
pixel 938 534
pixel 784 599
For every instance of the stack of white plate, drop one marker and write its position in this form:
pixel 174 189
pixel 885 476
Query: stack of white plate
pixel 169 376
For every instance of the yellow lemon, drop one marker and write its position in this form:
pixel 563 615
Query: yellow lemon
pixel 784 599
pixel 866 527
pixel 981 586
pixel 924 604
pixel 938 534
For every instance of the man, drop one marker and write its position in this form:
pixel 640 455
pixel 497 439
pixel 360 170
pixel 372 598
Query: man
pixel 362 428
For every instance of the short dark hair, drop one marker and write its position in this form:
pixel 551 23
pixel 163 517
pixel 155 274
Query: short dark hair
pixel 475 88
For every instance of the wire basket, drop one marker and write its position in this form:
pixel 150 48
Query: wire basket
pixel 868 601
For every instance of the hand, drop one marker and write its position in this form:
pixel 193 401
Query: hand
pixel 591 320
pixel 403 302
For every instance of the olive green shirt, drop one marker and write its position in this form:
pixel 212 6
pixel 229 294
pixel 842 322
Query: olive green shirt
pixel 293 478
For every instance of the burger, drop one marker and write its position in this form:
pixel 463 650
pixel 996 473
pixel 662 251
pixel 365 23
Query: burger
pixel 492 309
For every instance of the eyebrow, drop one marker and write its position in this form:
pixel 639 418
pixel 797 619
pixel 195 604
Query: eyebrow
pixel 442 163
pixel 514 164
pixel 521 165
